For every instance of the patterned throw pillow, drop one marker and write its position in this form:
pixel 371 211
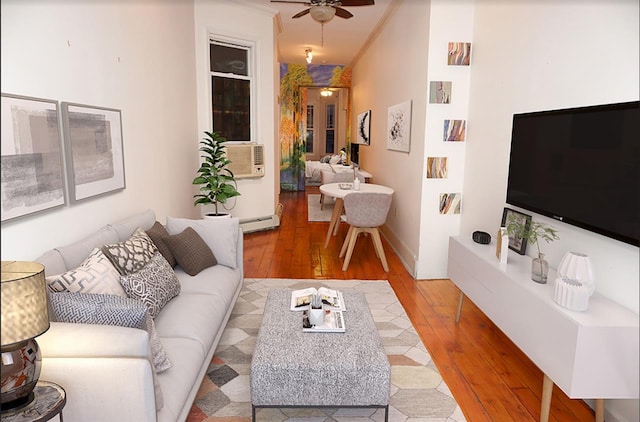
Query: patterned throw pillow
pixel 132 254
pixel 157 233
pixel 155 284
pixel 190 251
pixel 86 308
pixel 95 275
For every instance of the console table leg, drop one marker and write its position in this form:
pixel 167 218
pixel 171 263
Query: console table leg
pixel 459 306
pixel 547 390
pixel 599 410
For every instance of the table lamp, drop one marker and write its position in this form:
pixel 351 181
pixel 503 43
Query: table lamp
pixel 24 316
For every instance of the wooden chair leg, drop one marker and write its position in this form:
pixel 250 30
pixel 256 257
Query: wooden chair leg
pixel 352 244
pixel 375 235
pixel 346 242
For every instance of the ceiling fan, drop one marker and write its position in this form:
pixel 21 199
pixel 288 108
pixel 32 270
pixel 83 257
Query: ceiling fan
pixel 324 10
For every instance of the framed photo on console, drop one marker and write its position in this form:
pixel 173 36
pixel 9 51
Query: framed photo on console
pixel 517 244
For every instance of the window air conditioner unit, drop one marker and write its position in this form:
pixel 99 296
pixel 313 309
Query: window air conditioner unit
pixel 247 160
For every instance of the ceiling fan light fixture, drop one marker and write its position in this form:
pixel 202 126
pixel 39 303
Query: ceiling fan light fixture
pixel 322 13
pixel 308 55
pixel 326 92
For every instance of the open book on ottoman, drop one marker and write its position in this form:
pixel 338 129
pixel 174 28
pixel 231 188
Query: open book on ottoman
pixel 301 299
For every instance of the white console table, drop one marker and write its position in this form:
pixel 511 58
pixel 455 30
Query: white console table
pixel 589 355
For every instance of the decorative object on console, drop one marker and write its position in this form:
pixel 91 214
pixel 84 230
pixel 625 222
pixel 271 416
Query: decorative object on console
pixel 502 246
pixel 32 164
pixel 24 317
pixel 483 238
pixel 571 294
pixel 533 232
pixel 95 152
pixel 577 266
pixel 519 223
pixel 217 181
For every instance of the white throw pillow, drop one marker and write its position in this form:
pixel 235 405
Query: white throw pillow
pixel 96 274
pixel 220 234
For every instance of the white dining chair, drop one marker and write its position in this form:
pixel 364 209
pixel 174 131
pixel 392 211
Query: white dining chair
pixel 365 212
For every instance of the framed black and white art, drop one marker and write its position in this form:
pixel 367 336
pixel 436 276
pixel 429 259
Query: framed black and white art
pixel 94 150
pixel 32 159
pixel 364 127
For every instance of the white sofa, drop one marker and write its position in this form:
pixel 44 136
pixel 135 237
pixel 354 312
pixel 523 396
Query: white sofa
pixel 106 370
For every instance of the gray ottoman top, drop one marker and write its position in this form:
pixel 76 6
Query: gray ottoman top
pixel 291 367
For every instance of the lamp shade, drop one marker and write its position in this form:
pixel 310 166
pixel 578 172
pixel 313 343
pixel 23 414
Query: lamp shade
pixel 24 302
pixel 577 266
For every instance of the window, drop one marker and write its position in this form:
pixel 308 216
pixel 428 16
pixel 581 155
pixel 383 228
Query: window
pixel 231 87
pixel 330 128
pixel 309 134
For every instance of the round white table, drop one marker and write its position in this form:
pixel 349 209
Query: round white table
pixel 333 190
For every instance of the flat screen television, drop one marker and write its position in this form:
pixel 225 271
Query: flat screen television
pixel 579 166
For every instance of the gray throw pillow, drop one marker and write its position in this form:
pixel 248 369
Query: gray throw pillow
pixel 191 252
pixel 132 254
pixel 157 233
pixel 155 284
pixel 101 309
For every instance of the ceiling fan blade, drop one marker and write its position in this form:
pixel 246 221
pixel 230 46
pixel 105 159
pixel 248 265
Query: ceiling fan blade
pixel 304 12
pixel 306 3
pixel 350 3
pixel 343 13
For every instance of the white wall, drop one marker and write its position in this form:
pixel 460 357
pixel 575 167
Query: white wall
pixel 137 57
pixel 530 56
pixel 390 72
pixel 233 19
pixel 449 22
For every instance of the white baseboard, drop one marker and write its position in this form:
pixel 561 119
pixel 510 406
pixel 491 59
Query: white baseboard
pixel 249 225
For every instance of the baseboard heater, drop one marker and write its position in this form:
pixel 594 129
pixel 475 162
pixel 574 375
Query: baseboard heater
pixel 249 225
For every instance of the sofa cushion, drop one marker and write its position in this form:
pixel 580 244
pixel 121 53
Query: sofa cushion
pixel 132 254
pixel 155 284
pixel 220 234
pixel 74 253
pixel 125 228
pixel 157 233
pixel 95 275
pixel 190 251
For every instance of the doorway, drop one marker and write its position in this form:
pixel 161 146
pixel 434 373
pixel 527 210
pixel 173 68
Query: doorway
pixel 325 121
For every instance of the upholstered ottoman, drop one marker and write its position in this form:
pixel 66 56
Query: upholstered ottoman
pixel 291 368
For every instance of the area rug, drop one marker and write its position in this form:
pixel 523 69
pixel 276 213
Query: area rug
pixel 314 211
pixel 418 392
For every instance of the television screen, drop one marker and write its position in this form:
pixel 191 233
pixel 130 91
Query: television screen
pixel 355 154
pixel 579 166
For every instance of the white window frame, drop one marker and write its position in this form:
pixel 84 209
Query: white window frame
pixel 249 46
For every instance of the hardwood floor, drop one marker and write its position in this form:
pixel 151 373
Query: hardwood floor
pixel 489 376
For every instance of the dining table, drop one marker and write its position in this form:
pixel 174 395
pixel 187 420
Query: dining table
pixel 339 191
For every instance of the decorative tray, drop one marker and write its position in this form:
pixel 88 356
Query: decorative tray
pixel 346 186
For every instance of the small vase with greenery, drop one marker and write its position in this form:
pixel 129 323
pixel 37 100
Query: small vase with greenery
pixel 216 180
pixel 533 233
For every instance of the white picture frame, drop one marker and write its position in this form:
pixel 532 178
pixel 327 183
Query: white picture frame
pixel 94 150
pixel 399 127
pixel 32 163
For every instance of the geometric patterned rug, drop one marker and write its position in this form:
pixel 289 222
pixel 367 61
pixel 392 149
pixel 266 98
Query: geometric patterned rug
pixel 418 392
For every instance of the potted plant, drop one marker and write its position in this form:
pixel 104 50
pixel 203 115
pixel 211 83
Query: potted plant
pixel 533 233
pixel 216 180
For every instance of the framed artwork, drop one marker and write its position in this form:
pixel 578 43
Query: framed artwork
pixel 95 156
pixel 450 203
pixel 517 244
pixel 459 54
pixel 399 127
pixel 454 130
pixel 364 127
pixel 32 163
pixel 436 167
pixel 440 92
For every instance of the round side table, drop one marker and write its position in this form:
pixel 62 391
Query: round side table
pixel 48 402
